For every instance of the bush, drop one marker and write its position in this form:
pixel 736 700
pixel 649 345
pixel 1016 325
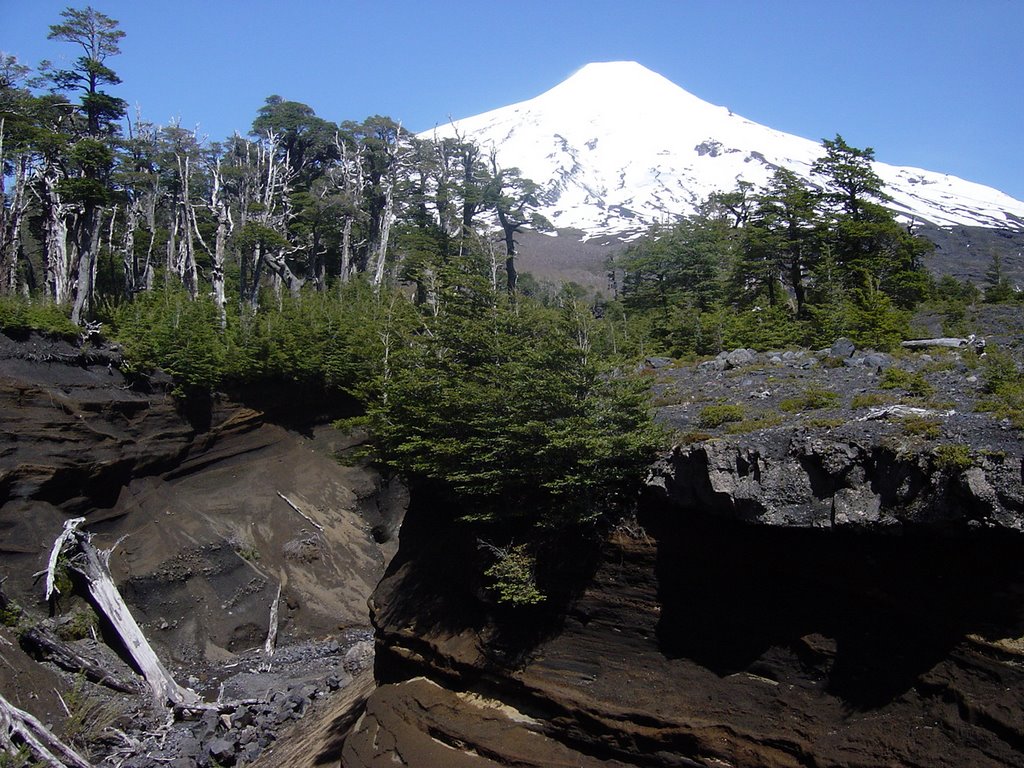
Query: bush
pixel 911 382
pixel 952 457
pixel 922 426
pixel 810 400
pixel 505 408
pixel 716 415
pixel 869 400
pixel 1002 381
pixel 167 330
pixel 18 314
pixel 513 575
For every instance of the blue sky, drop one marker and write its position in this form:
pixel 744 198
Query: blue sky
pixel 937 84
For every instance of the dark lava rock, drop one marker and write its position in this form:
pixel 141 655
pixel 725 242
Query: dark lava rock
pixel 842 348
pixel 657 362
pixel 222 750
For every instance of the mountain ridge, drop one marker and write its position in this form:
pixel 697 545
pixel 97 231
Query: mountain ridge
pixel 617 148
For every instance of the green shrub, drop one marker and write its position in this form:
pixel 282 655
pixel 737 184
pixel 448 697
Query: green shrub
pixel 911 382
pixel 167 330
pixel 513 575
pixel 1003 382
pixel 495 386
pixel 813 398
pixel 19 314
pixel 763 421
pixel 1000 373
pixel 922 426
pixel 10 614
pixel 79 626
pixel 952 457
pixel 712 416
pixel 869 400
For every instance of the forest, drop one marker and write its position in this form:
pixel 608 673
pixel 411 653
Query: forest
pixel 369 261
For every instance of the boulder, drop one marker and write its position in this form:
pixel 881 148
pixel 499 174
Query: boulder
pixel 842 348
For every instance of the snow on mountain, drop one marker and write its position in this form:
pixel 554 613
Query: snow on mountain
pixel 617 147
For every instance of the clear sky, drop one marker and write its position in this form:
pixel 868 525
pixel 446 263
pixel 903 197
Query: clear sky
pixel 937 84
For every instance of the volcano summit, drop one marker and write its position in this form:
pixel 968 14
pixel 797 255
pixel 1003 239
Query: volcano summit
pixel 617 148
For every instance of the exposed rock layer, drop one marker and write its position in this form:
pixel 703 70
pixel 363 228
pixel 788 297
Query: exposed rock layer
pixel 710 643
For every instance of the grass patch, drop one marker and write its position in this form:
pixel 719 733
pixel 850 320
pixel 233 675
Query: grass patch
pixel 952 457
pixel 911 382
pixel 922 426
pixel 825 422
pixel 764 421
pixel 870 400
pixel 812 399
pixel 712 416
pixel 670 396
pixel 689 438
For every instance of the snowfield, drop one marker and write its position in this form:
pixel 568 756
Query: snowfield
pixel 617 148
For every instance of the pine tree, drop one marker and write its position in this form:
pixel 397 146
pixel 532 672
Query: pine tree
pixel 86 182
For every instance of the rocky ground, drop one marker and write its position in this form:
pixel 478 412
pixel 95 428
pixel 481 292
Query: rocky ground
pixel 210 512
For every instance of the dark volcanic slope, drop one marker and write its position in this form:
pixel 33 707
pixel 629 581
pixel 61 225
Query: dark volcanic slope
pixel 212 513
pixel 966 252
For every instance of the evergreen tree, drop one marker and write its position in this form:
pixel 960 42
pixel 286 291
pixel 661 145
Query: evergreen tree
pixel 784 235
pixel 86 173
pixel 506 407
pixel 865 237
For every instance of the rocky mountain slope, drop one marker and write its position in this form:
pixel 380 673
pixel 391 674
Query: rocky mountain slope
pixel 617 148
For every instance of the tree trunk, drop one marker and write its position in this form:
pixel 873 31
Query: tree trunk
pixel 345 268
pixel 88 251
pixel 44 745
pixel 129 260
pixel 10 228
pixel 385 231
pixel 43 644
pixel 509 230
pixel 93 567
pixel 56 270
pixel 221 210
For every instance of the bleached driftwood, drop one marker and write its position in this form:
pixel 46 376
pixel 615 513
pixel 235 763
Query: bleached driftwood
pixel 45 746
pixel 268 647
pixel 305 517
pixel 901 412
pixel 70 526
pixel 42 643
pixel 945 341
pixel 94 567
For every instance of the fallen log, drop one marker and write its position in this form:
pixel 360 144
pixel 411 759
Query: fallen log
pixel 93 566
pixel 44 644
pixel 45 746
pixel 945 341
pixel 901 412
pixel 271 643
pixel 70 526
pixel 304 516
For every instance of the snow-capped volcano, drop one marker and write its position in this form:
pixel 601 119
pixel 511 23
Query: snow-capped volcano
pixel 617 147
